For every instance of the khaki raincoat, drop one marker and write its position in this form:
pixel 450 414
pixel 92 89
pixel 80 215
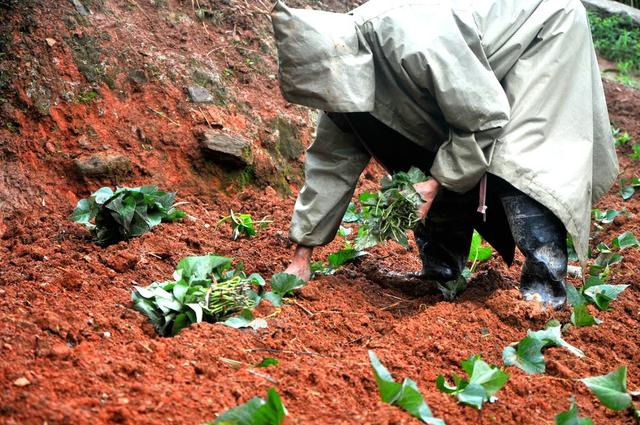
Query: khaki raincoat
pixel 500 86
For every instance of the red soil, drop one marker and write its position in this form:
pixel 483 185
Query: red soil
pixel 66 323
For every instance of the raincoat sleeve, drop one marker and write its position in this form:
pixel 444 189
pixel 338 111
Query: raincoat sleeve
pixel 332 165
pixel 474 105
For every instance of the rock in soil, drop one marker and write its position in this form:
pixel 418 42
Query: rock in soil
pixel 199 94
pixel 103 166
pixel 226 148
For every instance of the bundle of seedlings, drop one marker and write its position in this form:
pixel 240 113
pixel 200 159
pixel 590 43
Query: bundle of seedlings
pixel 204 289
pixel 112 216
pixel 390 212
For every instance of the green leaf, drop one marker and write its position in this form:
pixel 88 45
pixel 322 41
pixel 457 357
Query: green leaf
pixel 85 210
pixel 570 417
pixel 269 361
pixel 174 215
pixel 255 412
pixel 351 215
pixel 283 283
pixel 602 295
pixel 343 256
pixel 483 382
pixel 473 395
pixel 273 298
pixel 581 317
pixel 574 297
pixel 201 267
pixel 552 336
pixel 477 252
pixel 246 320
pixel 102 195
pixel 611 389
pixel 627 192
pixel 626 240
pixel 405 395
pixel 527 355
pixel 605 217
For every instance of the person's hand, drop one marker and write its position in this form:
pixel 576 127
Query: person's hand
pixel 428 191
pixel 300 265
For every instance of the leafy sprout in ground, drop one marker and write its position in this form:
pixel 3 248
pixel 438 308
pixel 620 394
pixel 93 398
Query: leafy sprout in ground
pixel 336 260
pixel 125 213
pixel 255 412
pixel 605 217
pixel 244 225
pixel 268 361
pixel 478 253
pixel 482 383
pixel 635 151
pixel 620 138
pixel 526 354
pixel 611 389
pixel 628 187
pixel 390 212
pixel 283 285
pixel 405 395
pixel 205 288
pixel 570 417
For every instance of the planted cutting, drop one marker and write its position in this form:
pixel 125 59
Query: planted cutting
pixel 390 212
pixel 611 389
pixel 478 253
pixel 526 354
pixel 405 395
pixel 244 225
pixel 112 216
pixel 336 260
pixel 628 187
pixel 482 383
pixel 205 288
pixel 255 412
pixel 570 417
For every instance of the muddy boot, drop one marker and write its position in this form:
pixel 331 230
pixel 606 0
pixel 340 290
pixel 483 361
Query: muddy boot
pixel 444 238
pixel 541 237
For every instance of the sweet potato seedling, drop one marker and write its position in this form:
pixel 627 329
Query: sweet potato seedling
pixel 244 224
pixel 526 354
pixel 255 412
pixel 570 417
pixel 482 383
pixel 125 213
pixel 405 395
pixel 611 389
pixel 477 254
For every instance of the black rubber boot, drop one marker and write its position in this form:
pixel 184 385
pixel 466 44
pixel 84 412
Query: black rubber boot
pixel 541 237
pixel 444 238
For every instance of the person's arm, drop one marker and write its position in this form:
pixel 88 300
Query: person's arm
pixel 332 166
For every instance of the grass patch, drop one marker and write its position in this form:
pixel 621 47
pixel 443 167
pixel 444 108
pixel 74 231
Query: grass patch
pixel 617 39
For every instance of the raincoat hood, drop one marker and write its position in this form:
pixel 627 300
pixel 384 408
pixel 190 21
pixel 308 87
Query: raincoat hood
pixel 324 61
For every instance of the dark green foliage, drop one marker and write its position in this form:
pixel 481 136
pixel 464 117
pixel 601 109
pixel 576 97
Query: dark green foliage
pixel 205 288
pixel 125 213
pixel 255 412
pixel 618 39
pixel 390 212
pixel 405 395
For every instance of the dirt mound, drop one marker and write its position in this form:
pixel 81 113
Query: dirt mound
pixel 115 84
